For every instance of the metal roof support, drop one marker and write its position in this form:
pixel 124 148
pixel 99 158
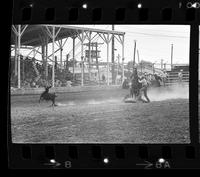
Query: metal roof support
pixel 73 34
pixel 94 36
pixel 73 38
pixel 88 29
pixel 35 52
pixel 82 38
pixel 57 44
pixel 16 37
pixel 102 37
pixel 53 57
pixel 32 40
pixel 107 42
pixel 57 32
pixel 117 38
pixel 42 39
pixel 122 59
pixel 53 36
pixel 61 45
pixel 18 32
pixel 46 58
pixel 49 55
pixel 54 52
pixel 22 47
pixel 18 46
pixel 24 29
pixel 48 32
pixel 14 30
pixel 30 52
pixel 64 42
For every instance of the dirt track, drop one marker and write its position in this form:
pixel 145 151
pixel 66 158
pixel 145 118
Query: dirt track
pixel 99 117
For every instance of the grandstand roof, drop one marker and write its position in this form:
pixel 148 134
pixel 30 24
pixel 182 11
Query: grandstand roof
pixel 34 34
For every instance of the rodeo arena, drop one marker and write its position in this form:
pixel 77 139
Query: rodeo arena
pixel 80 97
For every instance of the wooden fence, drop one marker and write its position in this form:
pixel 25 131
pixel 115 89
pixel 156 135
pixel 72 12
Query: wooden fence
pixel 173 77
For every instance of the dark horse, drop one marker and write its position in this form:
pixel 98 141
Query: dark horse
pixel 135 85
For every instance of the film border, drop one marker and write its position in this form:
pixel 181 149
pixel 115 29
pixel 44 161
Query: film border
pixel 91 155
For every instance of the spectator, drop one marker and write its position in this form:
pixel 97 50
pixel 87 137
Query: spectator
pixel 157 79
pixel 125 84
pixel 103 78
pixel 69 83
pixel 33 84
pixel 180 75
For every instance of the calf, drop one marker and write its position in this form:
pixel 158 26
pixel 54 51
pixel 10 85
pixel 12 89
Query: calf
pixel 48 96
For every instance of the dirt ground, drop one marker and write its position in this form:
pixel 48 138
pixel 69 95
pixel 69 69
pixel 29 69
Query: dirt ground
pixel 101 117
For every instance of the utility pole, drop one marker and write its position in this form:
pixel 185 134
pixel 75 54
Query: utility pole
pixel 139 60
pixel 118 57
pixel 118 63
pixel 161 63
pixel 134 53
pixel 153 67
pixel 138 57
pixel 165 66
pixel 113 56
pixel 171 57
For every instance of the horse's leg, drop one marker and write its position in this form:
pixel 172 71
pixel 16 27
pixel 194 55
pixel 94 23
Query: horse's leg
pixel 131 95
pixel 139 95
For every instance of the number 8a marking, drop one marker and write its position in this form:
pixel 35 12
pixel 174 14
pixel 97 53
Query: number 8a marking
pixel 68 164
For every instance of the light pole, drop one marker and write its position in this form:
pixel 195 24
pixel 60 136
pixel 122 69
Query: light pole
pixel 153 67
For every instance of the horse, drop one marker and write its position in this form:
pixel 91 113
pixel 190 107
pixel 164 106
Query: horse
pixel 135 87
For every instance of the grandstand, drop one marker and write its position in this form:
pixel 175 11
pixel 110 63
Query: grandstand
pixel 36 39
pixel 30 71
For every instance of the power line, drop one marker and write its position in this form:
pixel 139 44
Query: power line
pixel 149 34
pixel 160 30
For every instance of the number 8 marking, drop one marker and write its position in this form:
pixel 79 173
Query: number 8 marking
pixel 68 164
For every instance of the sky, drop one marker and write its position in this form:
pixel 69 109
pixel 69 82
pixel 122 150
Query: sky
pixel 153 43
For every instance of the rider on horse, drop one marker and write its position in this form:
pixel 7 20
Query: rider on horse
pixel 135 85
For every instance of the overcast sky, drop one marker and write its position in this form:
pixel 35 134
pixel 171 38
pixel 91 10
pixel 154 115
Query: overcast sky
pixel 153 43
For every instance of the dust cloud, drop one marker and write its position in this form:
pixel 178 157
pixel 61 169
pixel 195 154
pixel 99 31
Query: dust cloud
pixel 179 91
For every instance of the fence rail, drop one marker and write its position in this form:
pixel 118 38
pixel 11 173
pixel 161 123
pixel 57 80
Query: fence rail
pixel 174 78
